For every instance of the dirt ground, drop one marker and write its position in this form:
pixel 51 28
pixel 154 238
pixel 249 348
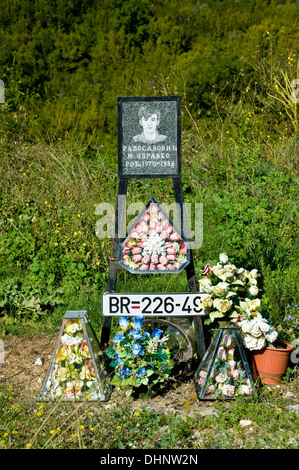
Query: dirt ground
pixel 26 377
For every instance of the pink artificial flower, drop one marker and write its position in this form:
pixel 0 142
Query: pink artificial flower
pixel 137 258
pixel 169 229
pixel 140 244
pixel 146 217
pixel 168 245
pixel 171 267
pixel 222 353
pixel 126 249
pixel 160 216
pixel 152 266
pixel 138 228
pixel 235 373
pixel 221 378
pixel 164 234
pixel 228 390
pixel 202 376
pixel 171 251
pixel 159 227
pixel 247 389
pixel 146 259
pixel 134 234
pixel 207 270
pixel 174 236
pixel 232 364
pixel 231 352
pixel 136 250
pixel 227 340
pixel 177 265
pixel 155 258
pixel 171 257
pixel 143 267
pixel 154 208
pixel 165 223
pixel 163 260
pixel 161 267
pixel 183 251
pixel 152 224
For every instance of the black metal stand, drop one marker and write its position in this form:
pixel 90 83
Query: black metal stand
pixel 114 265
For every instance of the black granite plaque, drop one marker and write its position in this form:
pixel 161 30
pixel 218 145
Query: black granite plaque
pixel 149 137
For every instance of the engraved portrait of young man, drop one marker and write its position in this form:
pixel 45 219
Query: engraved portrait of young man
pixel 149 120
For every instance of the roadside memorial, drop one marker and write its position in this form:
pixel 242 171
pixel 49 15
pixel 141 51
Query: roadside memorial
pixel 78 369
pixel 149 146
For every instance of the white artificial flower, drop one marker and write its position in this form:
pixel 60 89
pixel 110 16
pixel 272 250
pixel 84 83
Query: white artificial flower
pixel 218 270
pixel 68 340
pixel 205 285
pixel 253 305
pixel 220 289
pixel 206 301
pixel 271 335
pixel 154 244
pixel 223 305
pixel 223 258
pixel 254 273
pixel 253 290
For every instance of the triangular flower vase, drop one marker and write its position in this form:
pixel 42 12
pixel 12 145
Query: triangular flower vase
pixel 224 372
pixel 78 368
pixel 154 244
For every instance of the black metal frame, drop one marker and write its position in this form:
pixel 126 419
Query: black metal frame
pixel 114 265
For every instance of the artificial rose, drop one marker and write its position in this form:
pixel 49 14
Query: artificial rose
pixel 246 389
pixel 222 353
pixel 155 258
pixel 218 270
pixel 223 258
pixel 208 269
pixel 159 227
pixel 235 373
pixel 228 390
pixel 174 236
pixel 223 305
pixel 205 285
pixel 227 340
pixel 206 301
pixel 136 250
pixel 146 259
pixel 163 260
pixel 137 258
pixel 62 353
pixel 72 326
pixel 221 378
pixel 220 289
pixel 144 267
pixel 253 290
pixel 254 273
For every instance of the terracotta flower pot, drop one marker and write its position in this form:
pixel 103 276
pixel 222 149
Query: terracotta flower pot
pixel 270 364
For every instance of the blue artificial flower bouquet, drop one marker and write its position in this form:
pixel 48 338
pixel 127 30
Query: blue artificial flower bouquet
pixel 139 357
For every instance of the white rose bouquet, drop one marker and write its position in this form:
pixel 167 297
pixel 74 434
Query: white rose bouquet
pixel 230 294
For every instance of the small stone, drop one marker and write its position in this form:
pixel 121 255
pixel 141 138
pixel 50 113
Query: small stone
pixel 39 361
pixel 294 408
pixel 245 422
